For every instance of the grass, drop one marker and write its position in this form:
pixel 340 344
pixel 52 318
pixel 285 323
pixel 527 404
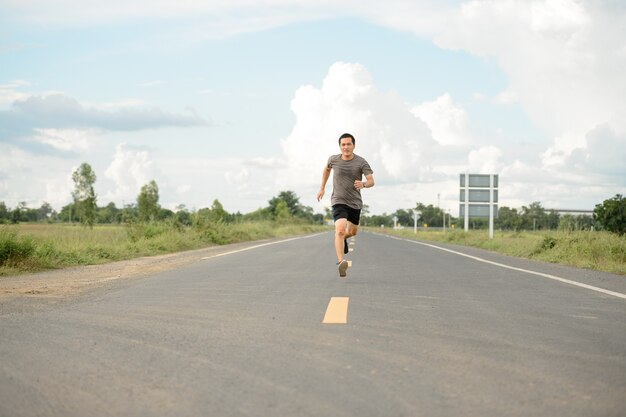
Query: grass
pixel 601 251
pixel 37 247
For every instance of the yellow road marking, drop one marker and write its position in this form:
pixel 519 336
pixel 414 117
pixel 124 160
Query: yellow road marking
pixel 349 264
pixel 337 311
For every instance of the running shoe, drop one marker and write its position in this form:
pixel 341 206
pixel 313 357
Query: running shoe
pixel 342 267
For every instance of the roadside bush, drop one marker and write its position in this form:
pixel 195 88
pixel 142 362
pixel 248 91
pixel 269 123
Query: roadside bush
pixel 14 249
pixel 548 243
pixel 148 230
pixel 214 232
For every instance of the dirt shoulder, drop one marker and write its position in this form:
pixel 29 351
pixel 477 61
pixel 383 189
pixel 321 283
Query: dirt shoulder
pixel 64 283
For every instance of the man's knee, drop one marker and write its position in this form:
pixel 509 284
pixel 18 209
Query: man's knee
pixel 340 227
pixel 351 229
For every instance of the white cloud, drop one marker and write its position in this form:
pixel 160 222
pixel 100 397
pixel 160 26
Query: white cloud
pixel 557 16
pixel 393 141
pixel 68 140
pixel 237 178
pixel 604 153
pixel 408 164
pixel 130 169
pixel 61 111
pixel 485 160
pixel 33 178
pixel 446 120
pixel 44 115
pixel 9 92
pixel 561 57
pixel 506 97
pixel 183 189
pixel 266 163
pixel 565 64
pixel 563 60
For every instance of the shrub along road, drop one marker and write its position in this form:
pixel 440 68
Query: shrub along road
pixel 428 332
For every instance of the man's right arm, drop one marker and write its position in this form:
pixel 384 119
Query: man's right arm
pixel 325 175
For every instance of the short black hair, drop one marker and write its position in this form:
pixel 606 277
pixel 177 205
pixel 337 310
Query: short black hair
pixel 347 135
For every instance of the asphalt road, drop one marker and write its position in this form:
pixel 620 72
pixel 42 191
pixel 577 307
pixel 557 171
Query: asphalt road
pixel 427 333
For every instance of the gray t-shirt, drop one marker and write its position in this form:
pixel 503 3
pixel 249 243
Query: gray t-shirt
pixel 344 175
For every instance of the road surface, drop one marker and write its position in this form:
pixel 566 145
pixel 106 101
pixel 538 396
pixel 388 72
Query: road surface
pixel 269 329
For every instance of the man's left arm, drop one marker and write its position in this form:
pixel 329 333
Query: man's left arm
pixel 368 183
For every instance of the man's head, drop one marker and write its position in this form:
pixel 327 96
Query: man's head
pixel 349 136
pixel 346 144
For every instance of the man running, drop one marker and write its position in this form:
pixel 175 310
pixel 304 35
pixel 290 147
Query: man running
pixel 348 172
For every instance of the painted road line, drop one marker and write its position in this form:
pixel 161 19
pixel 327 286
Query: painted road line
pixel 541 274
pixel 349 264
pixel 261 245
pixel 337 311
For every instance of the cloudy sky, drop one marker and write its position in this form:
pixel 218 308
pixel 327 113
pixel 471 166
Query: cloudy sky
pixel 241 99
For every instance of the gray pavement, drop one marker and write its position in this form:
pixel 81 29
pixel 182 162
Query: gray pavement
pixel 428 333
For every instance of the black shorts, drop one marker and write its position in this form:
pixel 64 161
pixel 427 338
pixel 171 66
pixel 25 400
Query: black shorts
pixel 342 211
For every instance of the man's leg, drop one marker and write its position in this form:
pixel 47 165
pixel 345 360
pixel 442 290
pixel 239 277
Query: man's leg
pixel 340 235
pixel 351 230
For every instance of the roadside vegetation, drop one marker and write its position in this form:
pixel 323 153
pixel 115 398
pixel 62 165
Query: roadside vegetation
pixel 602 251
pixel 82 233
pixel 36 247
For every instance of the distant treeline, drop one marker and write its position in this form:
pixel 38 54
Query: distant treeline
pixel 610 215
pixel 285 206
pixel 533 217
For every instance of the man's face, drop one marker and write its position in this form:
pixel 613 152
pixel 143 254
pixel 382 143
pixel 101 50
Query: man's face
pixel 346 147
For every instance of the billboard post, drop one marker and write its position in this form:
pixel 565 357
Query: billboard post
pixel 479 198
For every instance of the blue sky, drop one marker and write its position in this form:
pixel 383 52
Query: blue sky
pixel 239 101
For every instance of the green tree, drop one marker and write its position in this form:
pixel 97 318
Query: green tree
pixel 213 214
pixel 260 214
pixel 108 213
pixel 68 213
pixel 611 214
pixel 23 214
pixel 148 202
pixel 217 212
pixel 432 216
pixel 405 217
pixel 552 220
pixel 569 223
pixel 84 195
pixel 282 212
pixel 292 201
pixel 128 213
pixel 4 213
pixel 182 215
pixel 378 220
pixel 44 212
pixel 165 214
pixel 534 217
pixel 508 219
